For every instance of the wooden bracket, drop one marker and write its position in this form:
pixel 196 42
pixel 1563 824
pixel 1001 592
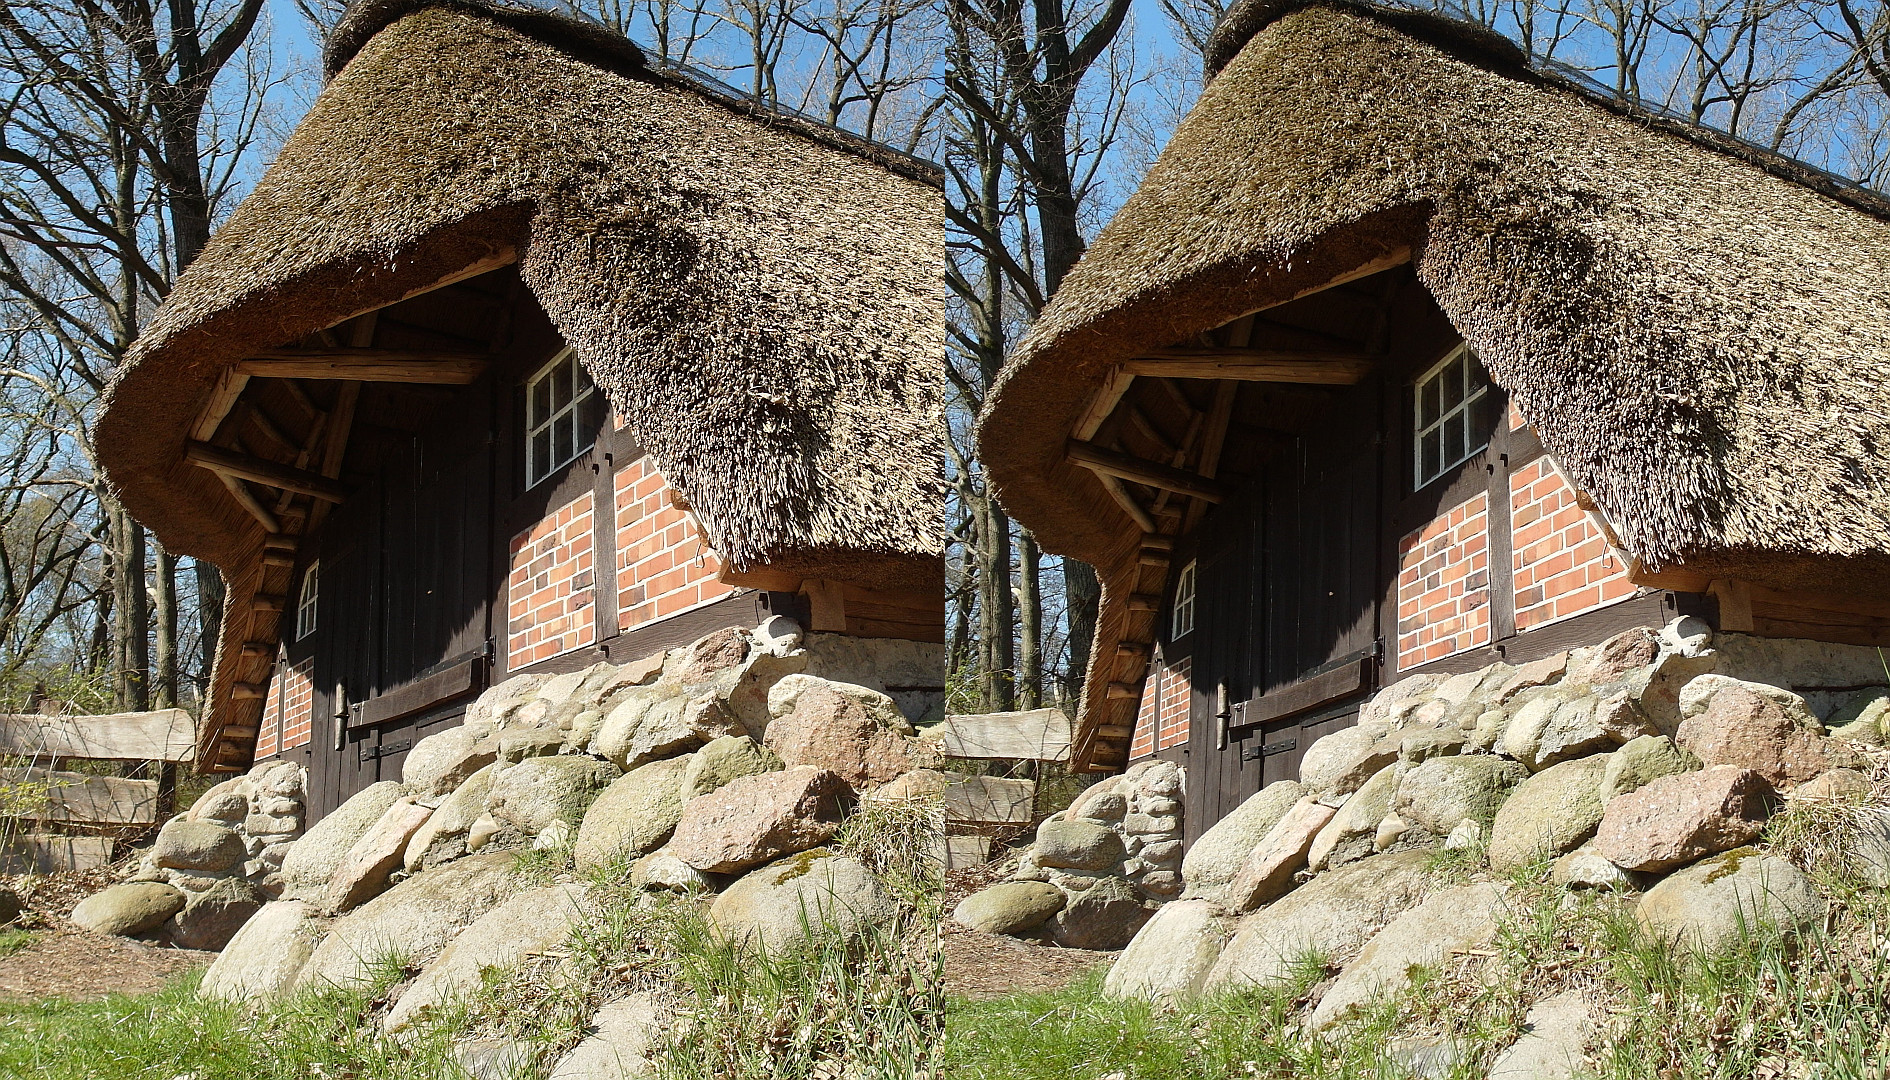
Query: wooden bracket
pixel 1141 471
pixel 263 471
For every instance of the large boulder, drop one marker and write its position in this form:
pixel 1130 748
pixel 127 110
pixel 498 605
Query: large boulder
pixel 777 905
pixel 363 875
pixel 313 859
pixel 1348 835
pixel 534 920
pixel 1009 907
pixel 625 1035
pixel 1675 820
pixel 1861 717
pixel 198 845
pixel 1641 760
pixel 858 734
pixel 209 919
pixel 1562 724
pixel 634 815
pixel 1325 919
pixel 1215 859
pixel 412 921
pixel 758 818
pixel 1550 813
pixel 225 804
pixel 532 794
pixel 1710 904
pixel 131 908
pixel 1755 726
pixel 442 762
pixel 1465 917
pixel 1078 845
pixel 720 760
pixel 1268 873
pixel 261 961
pixel 442 837
pixel 1442 793
pixel 1340 763
pixel 647 724
pixel 1171 955
pixel 1104 916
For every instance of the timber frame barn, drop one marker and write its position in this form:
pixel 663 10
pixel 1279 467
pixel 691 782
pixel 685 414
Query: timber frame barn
pixel 528 353
pixel 1410 357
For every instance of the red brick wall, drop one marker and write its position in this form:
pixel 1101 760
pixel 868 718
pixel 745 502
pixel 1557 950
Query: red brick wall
pixel 289 710
pixel 1444 585
pixel 1161 721
pixel 663 565
pixel 1562 560
pixel 550 592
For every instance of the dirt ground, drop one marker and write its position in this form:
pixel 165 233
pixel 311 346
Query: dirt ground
pixel 66 962
pixel 980 965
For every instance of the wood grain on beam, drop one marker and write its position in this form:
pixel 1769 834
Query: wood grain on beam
pixel 263 515
pixel 1124 691
pixel 223 397
pixel 263 471
pixel 1254 365
pixel 366 365
pixel 1141 517
pixel 1141 471
pixel 1107 396
pixel 1144 602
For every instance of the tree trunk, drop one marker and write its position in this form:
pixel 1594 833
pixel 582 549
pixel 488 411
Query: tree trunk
pixel 164 688
pixel 1029 622
pixel 1083 598
pixel 1000 671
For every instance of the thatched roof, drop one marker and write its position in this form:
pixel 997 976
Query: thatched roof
pixel 1698 331
pixel 758 295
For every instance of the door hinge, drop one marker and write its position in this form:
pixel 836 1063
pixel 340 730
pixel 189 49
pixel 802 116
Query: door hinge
pixel 369 753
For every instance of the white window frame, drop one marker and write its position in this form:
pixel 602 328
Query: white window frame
pixel 306 601
pixel 1462 409
pixel 542 459
pixel 1181 616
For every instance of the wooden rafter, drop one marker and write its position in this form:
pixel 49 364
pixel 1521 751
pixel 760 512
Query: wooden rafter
pixel 1107 396
pixel 1141 471
pixel 263 471
pixel 367 365
pixel 248 501
pixel 1254 365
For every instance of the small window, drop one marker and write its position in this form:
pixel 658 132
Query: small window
pixel 305 601
pixel 1183 620
pixel 563 412
pixel 1453 406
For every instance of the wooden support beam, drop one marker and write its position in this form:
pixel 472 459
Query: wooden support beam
pixel 1214 439
pixel 1141 471
pixel 1114 732
pixel 366 365
pixel 239 731
pixel 1144 602
pixel 223 396
pixel 249 502
pixel 1107 396
pixel 1254 365
pixel 1158 542
pixel 245 691
pixel 278 558
pixel 265 603
pixel 253 649
pixel 1124 691
pixel 267 426
pixel 1142 518
pixel 1134 649
pixel 279 542
pixel 263 471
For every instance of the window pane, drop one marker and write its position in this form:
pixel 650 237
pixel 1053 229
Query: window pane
pixel 561 439
pixel 583 377
pixel 1452 379
pixel 541 455
pixel 1428 409
pixel 1475 376
pixel 1430 462
pixel 1453 438
pixel 561 386
pixel 541 402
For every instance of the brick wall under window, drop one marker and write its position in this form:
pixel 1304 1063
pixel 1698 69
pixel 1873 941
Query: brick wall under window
pixel 289 709
pixel 1161 720
pixel 550 592
pixel 1562 560
pixel 1444 585
pixel 663 564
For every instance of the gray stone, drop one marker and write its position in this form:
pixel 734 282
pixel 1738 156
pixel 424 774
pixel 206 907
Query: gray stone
pixel 1009 907
pixel 1710 904
pixel 314 858
pixel 262 960
pixel 1106 915
pixel 443 837
pixel 1170 957
pixel 730 757
pixel 647 724
pixel 857 733
pixel 634 815
pixel 1552 812
pixel 1421 744
pixel 209 919
pixel 1353 830
pixel 364 874
pixel 1557 1032
pixel 1340 763
pixel 1641 760
pixel 1325 919
pixel 198 845
pixel 441 762
pixel 1674 820
pixel 534 920
pixel 776 905
pixel 1389 708
pixel 1616 658
pixel 627 1033
pixel 1078 845
pixel 663 872
pixel 1544 672
pixel 532 794
pixel 1583 869
pixel 412 921
pixel 131 908
pixel 1438 794
pixel 225 804
pixel 1102 804
pixel 495 1058
pixel 758 818
pixel 1269 871
pixel 1696 697
pixel 1465 917
pixel 1861 717
pixel 1216 857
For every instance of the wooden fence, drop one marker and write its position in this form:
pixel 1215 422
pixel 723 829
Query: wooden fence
pixel 75 817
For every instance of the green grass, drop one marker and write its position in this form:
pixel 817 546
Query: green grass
pixel 12 941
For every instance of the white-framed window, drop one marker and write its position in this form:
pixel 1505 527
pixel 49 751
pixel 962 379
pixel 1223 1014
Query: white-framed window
pixel 1182 620
pixel 305 601
pixel 1453 406
pixel 563 411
